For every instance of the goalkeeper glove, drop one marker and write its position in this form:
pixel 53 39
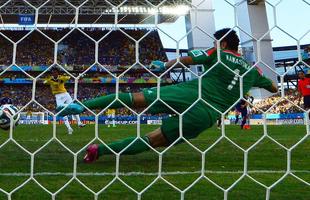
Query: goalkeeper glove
pixel 157 65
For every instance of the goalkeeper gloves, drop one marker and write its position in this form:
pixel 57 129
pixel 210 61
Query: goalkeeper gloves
pixel 157 66
pixel 71 109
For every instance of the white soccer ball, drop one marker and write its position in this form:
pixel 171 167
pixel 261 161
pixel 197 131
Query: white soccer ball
pixel 8 111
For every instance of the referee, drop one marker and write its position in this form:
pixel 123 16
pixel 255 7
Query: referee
pixel 304 89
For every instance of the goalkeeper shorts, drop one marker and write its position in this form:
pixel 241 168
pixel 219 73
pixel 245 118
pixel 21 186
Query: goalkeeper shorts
pixel 194 121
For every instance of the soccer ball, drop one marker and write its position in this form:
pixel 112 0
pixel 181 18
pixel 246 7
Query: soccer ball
pixel 6 112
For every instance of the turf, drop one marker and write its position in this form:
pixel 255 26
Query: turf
pixel 224 164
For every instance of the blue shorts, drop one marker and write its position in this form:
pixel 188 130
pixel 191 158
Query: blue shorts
pixel 307 102
pixel 243 111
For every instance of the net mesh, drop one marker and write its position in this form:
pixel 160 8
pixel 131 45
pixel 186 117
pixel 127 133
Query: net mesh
pixel 160 178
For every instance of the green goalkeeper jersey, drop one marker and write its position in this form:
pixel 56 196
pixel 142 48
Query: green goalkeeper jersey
pixel 220 86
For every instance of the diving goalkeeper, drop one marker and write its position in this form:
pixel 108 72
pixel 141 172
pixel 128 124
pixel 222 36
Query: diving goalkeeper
pixel 219 87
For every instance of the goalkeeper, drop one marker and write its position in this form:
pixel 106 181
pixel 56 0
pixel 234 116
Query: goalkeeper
pixel 219 87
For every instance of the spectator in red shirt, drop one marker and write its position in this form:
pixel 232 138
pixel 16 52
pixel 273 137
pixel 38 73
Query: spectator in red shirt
pixel 304 89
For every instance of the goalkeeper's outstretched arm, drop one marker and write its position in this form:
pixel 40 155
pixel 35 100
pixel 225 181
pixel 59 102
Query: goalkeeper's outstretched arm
pixel 273 88
pixel 195 57
pixel 186 60
pixel 162 66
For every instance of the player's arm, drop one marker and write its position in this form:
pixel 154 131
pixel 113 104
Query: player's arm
pixel 162 66
pixel 186 60
pixel 64 78
pixel 194 57
pixel 266 83
pixel 274 88
pixel 47 80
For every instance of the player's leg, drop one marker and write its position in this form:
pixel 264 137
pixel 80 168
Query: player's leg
pixel 130 145
pixel 135 100
pixel 109 120
pixel 155 139
pixel 175 95
pixel 60 100
pixel 307 103
pixel 78 120
pixel 195 121
pixel 219 122
pixel 244 114
pixel 237 113
pixel 67 124
pixel 248 116
pixel 68 99
pixel 113 120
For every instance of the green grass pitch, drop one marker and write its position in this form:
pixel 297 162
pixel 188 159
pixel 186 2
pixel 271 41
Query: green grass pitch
pixel 181 165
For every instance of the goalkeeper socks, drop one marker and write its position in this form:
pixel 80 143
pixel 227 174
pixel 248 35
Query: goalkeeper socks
pixel 137 147
pixel 104 101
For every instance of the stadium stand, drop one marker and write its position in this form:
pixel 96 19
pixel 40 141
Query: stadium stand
pixel 78 49
pixel 284 106
pixel 76 53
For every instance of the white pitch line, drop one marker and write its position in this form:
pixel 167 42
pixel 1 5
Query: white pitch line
pixel 150 173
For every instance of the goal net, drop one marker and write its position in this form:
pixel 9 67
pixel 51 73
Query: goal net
pixel 106 47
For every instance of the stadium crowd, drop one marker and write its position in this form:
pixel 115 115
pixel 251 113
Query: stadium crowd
pixel 76 49
pixel 285 105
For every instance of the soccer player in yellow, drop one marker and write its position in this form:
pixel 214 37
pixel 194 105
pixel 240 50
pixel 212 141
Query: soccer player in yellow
pixel 111 117
pixel 57 85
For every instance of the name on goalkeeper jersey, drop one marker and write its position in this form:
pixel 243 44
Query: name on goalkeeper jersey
pixel 238 61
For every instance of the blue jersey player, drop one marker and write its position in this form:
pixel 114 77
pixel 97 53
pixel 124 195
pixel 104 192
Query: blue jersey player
pixel 242 107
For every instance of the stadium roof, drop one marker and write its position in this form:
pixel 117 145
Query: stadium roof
pixel 93 11
pixel 287 53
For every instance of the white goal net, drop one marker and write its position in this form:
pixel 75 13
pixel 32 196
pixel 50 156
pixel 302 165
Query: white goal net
pixel 79 37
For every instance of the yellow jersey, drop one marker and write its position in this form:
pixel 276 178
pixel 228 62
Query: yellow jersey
pixel 57 85
pixel 110 112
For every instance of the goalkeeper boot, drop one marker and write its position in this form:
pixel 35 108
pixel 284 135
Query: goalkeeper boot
pixel 91 153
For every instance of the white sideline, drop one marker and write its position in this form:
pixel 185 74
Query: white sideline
pixel 151 173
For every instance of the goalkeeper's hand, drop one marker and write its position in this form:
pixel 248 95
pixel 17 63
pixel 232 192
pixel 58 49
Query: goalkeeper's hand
pixel 157 66
pixel 71 109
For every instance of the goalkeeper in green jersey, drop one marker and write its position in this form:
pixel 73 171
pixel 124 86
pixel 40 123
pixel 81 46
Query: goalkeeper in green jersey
pixel 219 88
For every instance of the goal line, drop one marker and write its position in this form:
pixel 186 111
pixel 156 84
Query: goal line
pixel 137 173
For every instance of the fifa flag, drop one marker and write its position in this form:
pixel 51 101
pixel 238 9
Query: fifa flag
pixel 25 19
